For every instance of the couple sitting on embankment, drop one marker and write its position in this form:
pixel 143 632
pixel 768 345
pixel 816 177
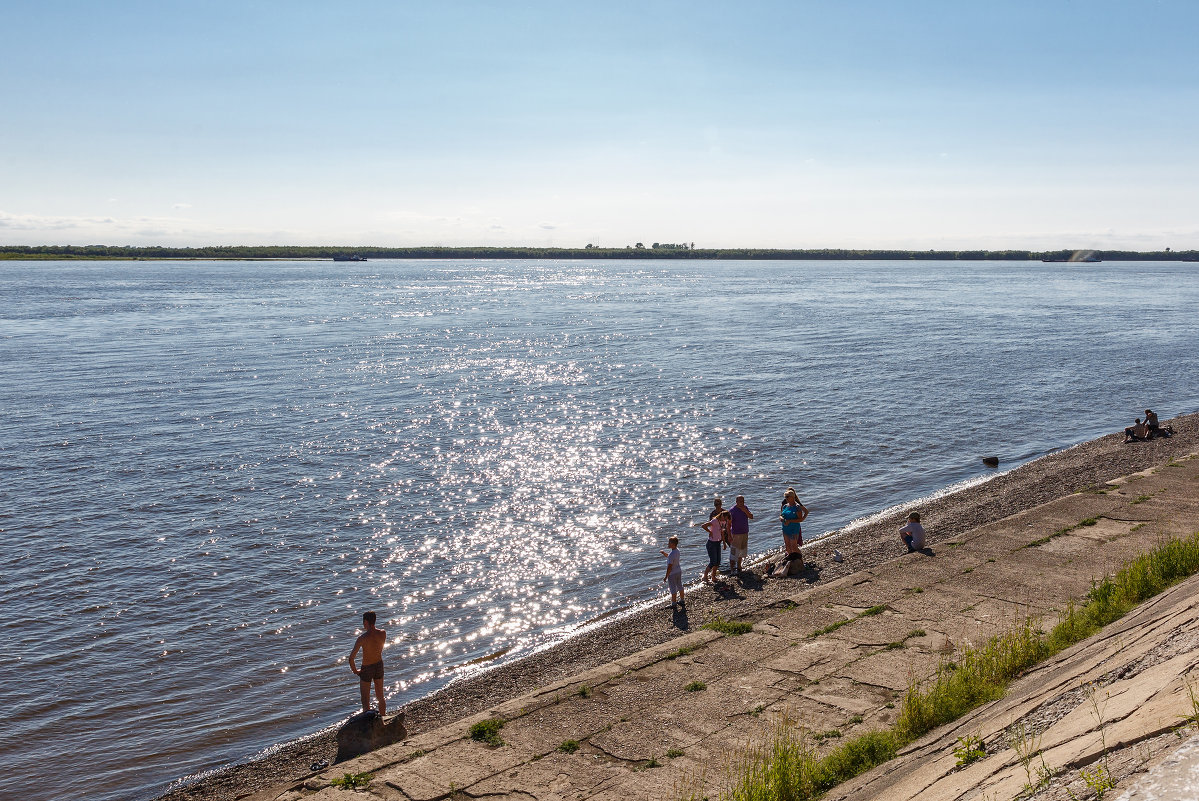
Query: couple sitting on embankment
pixel 1147 430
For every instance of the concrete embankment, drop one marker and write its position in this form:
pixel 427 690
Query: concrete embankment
pixel 837 657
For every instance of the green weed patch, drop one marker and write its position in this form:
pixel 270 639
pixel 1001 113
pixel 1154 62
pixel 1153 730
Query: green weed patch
pixel 786 766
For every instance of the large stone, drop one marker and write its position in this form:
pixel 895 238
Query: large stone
pixel 367 731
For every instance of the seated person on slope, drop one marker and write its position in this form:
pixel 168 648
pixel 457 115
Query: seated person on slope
pixel 1138 432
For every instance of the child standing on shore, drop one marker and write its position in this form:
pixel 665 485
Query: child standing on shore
pixel 913 533
pixel 674 572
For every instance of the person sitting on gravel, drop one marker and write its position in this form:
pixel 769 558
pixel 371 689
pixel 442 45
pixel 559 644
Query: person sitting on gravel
pixel 1138 432
pixel 1155 429
pixel 913 533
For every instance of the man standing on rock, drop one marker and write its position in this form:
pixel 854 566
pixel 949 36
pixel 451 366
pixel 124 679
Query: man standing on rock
pixel 371 643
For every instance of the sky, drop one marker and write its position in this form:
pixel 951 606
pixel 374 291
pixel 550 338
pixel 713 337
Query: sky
pixel 909 124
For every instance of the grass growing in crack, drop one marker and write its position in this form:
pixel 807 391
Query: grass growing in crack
pixel 914 633
pixel 353 781
pixel 675 753
pixel 488 731
pixel 584 691
pixel 787 766
pixel 684 651
pixel 729 627
pixel 1090 521
pixel 874 610
pixel 1140 499
pixel 978 675
pixel 969 749
pixel 695 686
pixel 569 746
pixel 830 628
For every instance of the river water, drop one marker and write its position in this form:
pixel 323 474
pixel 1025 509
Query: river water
pixel 208 470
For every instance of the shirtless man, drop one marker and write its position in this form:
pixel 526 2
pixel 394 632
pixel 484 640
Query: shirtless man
pixel 371 642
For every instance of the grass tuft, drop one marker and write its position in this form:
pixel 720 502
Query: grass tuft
pixel 874 610
pixel 488 731
pixel 353 781
pixel 977 676
pixel 695 686
pixel 569 746
pixel 684 651
pixel 1142 578
pixel 787 767
pixel 831 627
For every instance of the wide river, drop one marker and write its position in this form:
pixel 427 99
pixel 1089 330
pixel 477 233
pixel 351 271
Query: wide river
pixel 208 470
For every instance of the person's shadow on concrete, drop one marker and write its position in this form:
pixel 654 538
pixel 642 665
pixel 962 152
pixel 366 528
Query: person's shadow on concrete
pixel 926 550
pixel 678 616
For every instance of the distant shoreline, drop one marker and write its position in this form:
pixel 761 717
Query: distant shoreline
pixel 655 251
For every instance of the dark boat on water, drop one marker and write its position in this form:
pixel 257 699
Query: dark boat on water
pixel 354 257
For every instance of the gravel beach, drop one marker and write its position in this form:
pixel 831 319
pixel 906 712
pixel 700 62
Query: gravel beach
pixel 1088 465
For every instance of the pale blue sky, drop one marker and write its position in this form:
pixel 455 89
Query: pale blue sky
pixel 776 124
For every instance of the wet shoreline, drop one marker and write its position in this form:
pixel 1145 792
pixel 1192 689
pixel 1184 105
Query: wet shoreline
pixel 1078 468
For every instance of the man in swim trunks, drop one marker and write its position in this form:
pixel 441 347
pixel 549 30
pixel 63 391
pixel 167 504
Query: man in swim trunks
pixel 371 643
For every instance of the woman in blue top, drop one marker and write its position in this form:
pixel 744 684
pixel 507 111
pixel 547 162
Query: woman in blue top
pixel 791 515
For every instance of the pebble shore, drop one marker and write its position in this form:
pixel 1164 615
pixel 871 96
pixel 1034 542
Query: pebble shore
pixel 750 597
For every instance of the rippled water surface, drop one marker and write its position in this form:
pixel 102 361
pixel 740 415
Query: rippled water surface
pixel 208 470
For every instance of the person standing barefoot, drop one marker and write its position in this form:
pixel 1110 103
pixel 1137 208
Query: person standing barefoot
pixel 716 542
pixel 791 515
pixel 370 642
pixel 739 538
pixel 674 572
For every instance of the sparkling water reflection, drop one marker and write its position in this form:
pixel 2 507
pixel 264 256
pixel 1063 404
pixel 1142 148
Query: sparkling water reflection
pixel 209 469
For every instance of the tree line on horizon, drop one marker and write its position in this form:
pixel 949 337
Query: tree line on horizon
pixel 639 251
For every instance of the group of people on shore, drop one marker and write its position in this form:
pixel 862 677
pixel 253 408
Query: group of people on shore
pixel 728 529
pixel 1149 428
